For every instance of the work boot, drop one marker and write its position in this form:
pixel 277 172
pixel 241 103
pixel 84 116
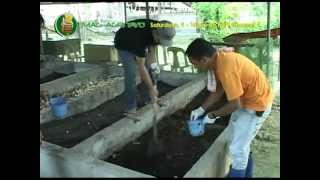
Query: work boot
pixel 249 170
pixel 235 173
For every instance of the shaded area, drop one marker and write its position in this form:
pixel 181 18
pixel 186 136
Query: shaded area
pixel 181 150
pixel 53 76
pixel 72 130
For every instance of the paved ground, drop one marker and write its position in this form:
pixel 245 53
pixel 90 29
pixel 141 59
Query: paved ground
pixel 266 146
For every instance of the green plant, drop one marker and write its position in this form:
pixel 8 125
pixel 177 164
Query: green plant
pixel 223 19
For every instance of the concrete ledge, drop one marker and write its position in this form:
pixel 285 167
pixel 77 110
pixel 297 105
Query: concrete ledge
pixel 114 137
pixel 215 161
pixel 56 161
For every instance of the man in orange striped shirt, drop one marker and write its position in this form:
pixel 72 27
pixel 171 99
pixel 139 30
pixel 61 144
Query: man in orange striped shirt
pixel 249 97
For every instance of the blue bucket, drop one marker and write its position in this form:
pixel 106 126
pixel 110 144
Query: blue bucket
pixel 196 127
pixel 59 106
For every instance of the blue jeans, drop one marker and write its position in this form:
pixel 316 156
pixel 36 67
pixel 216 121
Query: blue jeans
pixel 243 127
pixel 130 72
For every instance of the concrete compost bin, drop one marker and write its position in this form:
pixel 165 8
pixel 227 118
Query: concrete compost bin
pixel 97 109
pixel 84 74
pixel 86 158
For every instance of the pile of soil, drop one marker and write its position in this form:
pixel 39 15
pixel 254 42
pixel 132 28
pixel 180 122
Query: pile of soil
pixel 53 76
pixel 72 130
pixel 181 150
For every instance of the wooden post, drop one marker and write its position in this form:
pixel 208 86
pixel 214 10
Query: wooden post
pixel 164 55
pixel 159 8
pixel 41 43
pixel 125 11
pixel 268 40
pixel 147 10
pixel 157 55
pixel 81 36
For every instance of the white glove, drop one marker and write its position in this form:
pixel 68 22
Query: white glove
pixel 155 68
pixel 208 120
pixel 196 113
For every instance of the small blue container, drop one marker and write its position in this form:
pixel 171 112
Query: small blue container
pixel 196 127
pixel 59 106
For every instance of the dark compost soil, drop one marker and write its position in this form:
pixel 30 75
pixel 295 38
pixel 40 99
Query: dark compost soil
pixel 181 150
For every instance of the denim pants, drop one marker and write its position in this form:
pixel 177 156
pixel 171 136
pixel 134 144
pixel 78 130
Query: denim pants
pixel 130 72
pixel 243 127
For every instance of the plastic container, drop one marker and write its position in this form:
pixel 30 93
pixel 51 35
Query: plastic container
pixel 196 127
pixel 59 106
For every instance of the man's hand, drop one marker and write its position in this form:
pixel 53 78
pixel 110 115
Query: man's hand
pixel 155 71
pixel 154 94
pixel 210 118
pixel 196 113
pixel 156 107
pixel 155 68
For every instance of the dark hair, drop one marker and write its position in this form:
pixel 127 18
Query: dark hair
pixel 199 48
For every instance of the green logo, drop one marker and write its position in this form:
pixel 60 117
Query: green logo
pixel 66 24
